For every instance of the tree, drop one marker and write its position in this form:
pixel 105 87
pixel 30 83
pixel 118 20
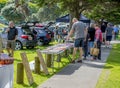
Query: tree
pixel 74 7
pixel 2 3
pixel 48 13
pixel 33 8
pixel 109 11
pixel 10 13
pixel 94 7
pixel 22 6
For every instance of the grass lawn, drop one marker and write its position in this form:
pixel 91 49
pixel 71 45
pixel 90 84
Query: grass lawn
pixel 38 78
pixel 110 76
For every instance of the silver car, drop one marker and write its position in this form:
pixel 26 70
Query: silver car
pixel 22 38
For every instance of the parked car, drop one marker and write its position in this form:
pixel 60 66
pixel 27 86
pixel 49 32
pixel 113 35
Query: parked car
pixel 25 38
pixel 43 37
pixel 43 34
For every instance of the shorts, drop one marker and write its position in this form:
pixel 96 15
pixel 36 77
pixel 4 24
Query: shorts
pixel 108 38
pixel 79 42
pixel 11 44
pixel 104 35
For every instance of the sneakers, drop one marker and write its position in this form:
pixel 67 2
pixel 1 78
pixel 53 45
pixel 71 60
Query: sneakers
pixel 92 59
pixel 79 61
pixel 73 61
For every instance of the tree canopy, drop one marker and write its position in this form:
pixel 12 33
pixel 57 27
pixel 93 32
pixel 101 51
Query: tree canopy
pixel 10 13
pixel 44 10
pixel 109 11
pixel 94 9
pixel 2 3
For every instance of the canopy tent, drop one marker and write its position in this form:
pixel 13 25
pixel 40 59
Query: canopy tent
pixel 66 19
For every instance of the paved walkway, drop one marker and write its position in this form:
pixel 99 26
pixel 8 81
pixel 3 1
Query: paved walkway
pixel 78 75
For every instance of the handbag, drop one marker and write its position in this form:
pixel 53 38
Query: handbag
pixel 94 51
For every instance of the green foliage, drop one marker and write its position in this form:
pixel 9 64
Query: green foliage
pixel 10 13
pixel 48 13
pixel 33 7
pixel 114 15
pixel 2 3
pixel 109 12
pixel 74 7
pixel 33 17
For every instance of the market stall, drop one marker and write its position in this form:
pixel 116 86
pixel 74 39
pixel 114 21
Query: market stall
pixel 57 50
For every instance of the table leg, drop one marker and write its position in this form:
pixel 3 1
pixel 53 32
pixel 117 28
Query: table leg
pixel 52 63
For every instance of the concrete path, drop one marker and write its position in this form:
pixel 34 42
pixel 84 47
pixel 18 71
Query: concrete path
pixel 78 75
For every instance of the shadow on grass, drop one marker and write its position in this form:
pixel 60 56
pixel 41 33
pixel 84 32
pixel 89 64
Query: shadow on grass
pixel 34 85
pixel 108 67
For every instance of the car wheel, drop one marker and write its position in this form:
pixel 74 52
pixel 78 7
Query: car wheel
pixel 40 42
pixel 32 47
pixel 27 47
pixel 18 45
pixel 46 43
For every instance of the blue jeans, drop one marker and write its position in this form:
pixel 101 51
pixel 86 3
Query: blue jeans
pixel 91 44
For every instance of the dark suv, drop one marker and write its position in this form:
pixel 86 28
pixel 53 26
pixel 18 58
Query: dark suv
pixel 43 36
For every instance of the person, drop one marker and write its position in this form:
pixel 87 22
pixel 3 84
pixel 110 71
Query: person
pixel 85 48
pixel 116 32
pixel 80 32
pixel 12 35
pixel 91 33
pixel 63 34
pixel 103 28
pixel 98 41
pixel 56 33
pixel 109 32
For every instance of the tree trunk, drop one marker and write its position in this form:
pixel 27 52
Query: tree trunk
pixel 73 14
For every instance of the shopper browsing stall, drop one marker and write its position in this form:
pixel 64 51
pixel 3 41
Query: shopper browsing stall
pixel 80 31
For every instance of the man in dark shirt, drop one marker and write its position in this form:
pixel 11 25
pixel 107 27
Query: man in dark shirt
pixel 12 35
pixel 103 29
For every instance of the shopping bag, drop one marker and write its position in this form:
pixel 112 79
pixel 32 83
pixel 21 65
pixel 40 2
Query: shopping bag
pixel 95 52
pixel 91 51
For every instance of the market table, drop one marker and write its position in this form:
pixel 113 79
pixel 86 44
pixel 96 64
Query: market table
pixel 57 50
pixel 6 76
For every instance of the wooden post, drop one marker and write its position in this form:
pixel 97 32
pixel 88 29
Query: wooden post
pixel 20 73
pixel 42 62
pixel 37 65
pixel 66 53
pixel 27 68
pixel 48 60
pixel 71 50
